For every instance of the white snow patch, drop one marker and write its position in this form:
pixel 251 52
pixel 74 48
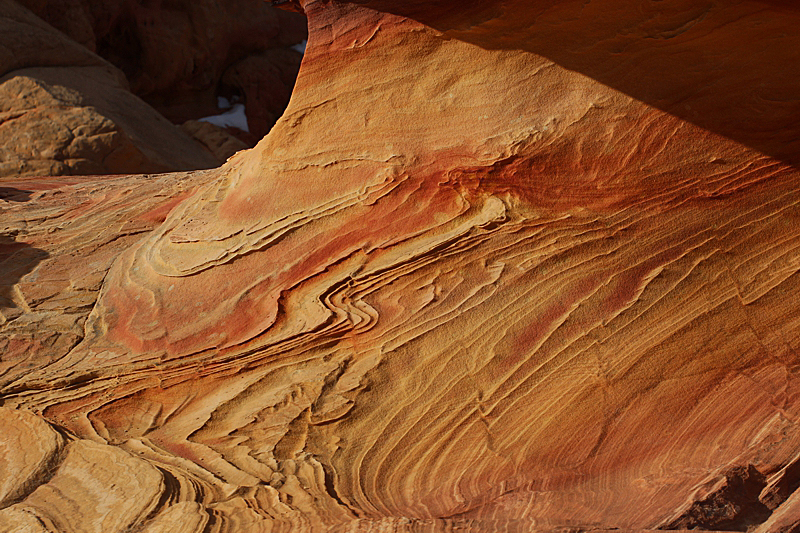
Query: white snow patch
pixel 301 47
pixel 233 118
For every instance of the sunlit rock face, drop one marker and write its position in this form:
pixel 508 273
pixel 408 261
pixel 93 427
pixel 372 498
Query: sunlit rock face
pixel 500 266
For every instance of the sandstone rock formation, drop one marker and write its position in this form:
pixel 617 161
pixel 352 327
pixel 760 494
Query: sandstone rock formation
pixel 64 110
pixel 219 141
pixel 179 55
pixel 509 265
pixel 266 81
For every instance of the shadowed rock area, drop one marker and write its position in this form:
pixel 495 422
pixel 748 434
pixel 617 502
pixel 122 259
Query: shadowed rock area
pixel 180 55
pixel 500 266
pixel 64 110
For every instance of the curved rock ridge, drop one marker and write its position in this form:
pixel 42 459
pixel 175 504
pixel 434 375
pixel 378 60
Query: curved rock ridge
pixel 500 266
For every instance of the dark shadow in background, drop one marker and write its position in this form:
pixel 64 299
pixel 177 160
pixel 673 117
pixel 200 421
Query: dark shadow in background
pixel 17 258
pixel 729 66
pixel 9 194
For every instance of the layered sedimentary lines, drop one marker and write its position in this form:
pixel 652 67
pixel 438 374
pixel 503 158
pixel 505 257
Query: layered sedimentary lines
pixel 463 283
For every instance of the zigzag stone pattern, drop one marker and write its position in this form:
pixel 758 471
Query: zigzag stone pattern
pixel 501 266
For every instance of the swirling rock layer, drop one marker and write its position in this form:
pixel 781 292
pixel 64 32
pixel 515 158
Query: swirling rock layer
pixel 501 266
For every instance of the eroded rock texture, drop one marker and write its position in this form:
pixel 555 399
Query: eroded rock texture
pixel 178 55
pixel 66 111
pixel 501 266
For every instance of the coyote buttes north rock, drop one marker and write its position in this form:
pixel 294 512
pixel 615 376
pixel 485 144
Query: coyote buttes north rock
pixel 502 265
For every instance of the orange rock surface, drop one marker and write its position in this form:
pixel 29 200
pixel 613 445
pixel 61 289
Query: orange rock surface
pixel 500 266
